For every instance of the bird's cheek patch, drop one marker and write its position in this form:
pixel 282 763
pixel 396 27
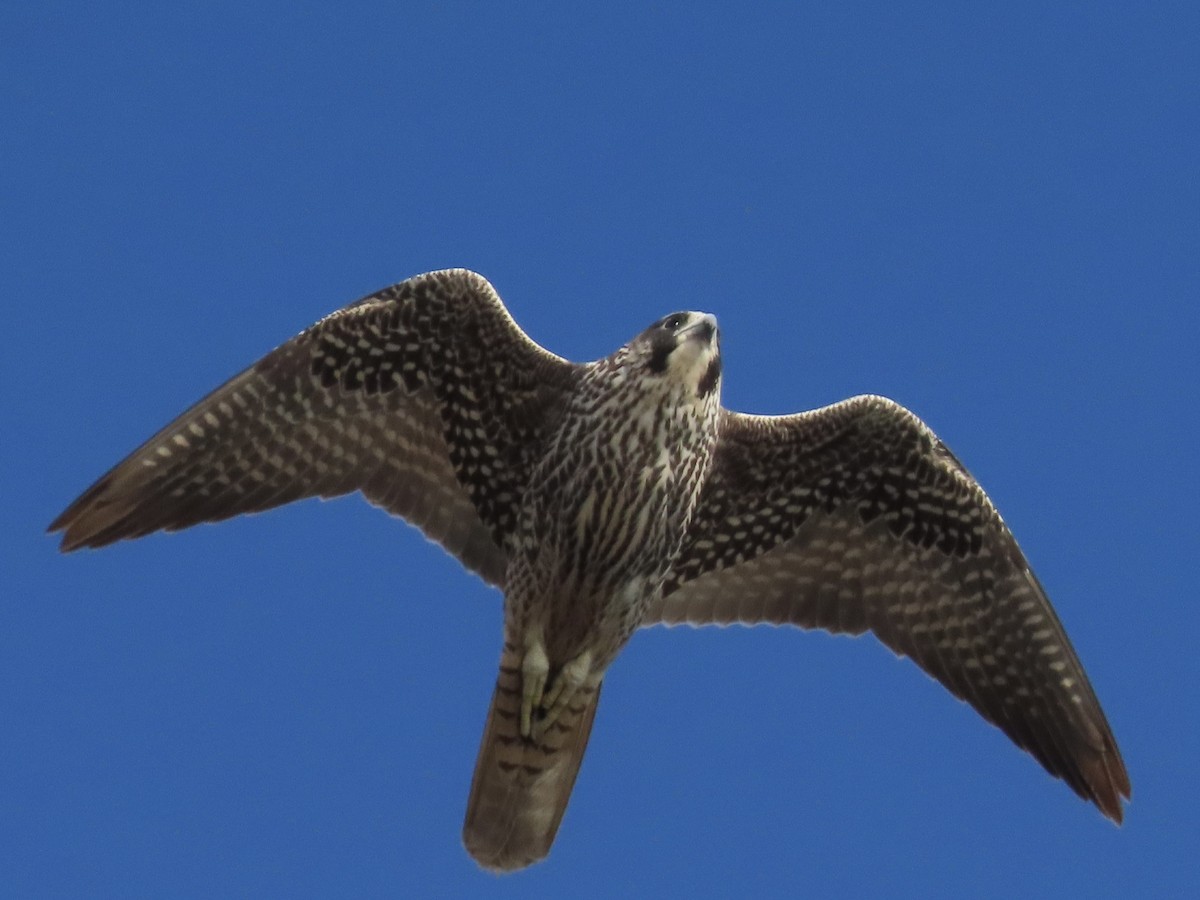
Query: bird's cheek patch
pixel 660 353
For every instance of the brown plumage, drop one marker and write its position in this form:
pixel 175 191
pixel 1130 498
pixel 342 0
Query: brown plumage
pixel 856 517
pixel 613 495
pixel 521 787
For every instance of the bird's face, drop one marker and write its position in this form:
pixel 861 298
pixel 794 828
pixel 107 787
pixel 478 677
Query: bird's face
pixel 684 347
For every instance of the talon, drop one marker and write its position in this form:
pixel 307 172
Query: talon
pixel 550 698
pixel 535 668
pixel 570 678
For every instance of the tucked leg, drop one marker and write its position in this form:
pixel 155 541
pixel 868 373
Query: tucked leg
pixel 535 669
pixel 569 679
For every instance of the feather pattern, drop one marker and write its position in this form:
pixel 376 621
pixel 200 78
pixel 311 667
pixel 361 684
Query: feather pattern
pixel 856 517
pixel 605 496
pixel 390 396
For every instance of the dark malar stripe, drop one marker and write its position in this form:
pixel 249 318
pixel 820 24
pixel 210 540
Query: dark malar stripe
pixel 711 376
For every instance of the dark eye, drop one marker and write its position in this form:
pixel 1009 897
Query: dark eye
pixel 673 322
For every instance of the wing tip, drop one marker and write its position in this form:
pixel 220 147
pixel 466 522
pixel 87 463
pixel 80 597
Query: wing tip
pixel 76 535
pixel 66 522
pixel 1108 782
pixel 90 520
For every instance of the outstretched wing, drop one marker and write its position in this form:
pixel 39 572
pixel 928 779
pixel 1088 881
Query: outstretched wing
pixel 425 396
pixel 856 517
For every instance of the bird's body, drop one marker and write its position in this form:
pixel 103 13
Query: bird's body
pixel 608 506
pixel 613 495
pixel 603 518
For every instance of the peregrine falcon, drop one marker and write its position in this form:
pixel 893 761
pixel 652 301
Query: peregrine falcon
pixel 614 495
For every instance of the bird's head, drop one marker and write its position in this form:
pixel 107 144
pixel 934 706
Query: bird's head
pixel 684 347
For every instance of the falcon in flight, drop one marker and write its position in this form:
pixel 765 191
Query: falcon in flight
pixel 613 495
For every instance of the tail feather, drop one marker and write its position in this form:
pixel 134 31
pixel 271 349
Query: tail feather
pixel 521 786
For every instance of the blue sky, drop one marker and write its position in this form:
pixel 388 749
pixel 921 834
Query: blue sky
pixel 990 216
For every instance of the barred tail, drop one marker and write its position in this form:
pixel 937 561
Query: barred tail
pixel 521 786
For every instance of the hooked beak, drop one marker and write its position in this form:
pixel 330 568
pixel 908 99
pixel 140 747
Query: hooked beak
pixel 703 329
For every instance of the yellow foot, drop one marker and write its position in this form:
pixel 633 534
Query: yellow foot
pixel 569 679
pixel 535 669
